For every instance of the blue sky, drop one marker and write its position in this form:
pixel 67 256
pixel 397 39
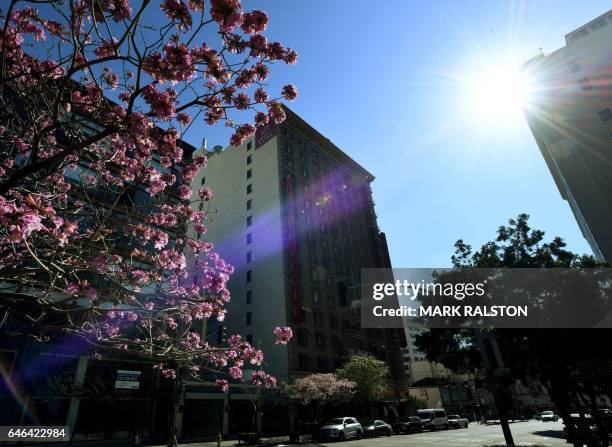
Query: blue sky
pixel 383 81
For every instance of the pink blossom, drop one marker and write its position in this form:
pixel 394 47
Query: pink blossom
pixel 275 109
pixel 254 22
pixel 162 240
pixel 169 373
pixel 260 95
pixel 289 92
pixel 235 372
pixel 241 134
pixel 73 288
pixel 183 118
pixel 177 10
pixel 205 193
pixel 91 293
pixel 227 13
pixel 162 103
pixel 222 383
pixel 283 335
pixel 184 192
pixel 261 119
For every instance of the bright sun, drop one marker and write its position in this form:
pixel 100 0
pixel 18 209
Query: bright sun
pixel 497 96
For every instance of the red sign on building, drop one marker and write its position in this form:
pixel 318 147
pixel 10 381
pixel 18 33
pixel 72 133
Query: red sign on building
pixel 264 133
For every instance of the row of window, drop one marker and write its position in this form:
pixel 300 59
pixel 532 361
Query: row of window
pixel 249 236
pixel 320 341
pixel 323 364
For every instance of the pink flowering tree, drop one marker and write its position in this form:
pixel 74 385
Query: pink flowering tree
pixel 322 388
pixel 94 176
pixel 317 390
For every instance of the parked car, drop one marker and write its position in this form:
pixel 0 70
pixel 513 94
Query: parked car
pixel 581 428
pixel 341 429
pixel 549 416
pixel 433 418
pixel 412 424
pixel 376 428
pixel 537 416
pixel 456 421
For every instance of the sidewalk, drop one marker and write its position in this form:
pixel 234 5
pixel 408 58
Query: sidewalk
pixel 234 442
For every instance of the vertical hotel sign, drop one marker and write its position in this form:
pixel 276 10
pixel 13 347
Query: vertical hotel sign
pixel 264 133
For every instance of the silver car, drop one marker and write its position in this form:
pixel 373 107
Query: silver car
pixel 341 429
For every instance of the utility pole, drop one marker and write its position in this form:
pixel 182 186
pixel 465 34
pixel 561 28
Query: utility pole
pixel 494 365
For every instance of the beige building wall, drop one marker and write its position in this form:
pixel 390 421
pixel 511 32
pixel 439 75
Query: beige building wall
pixel 226 175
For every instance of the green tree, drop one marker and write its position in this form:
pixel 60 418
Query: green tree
pixel 566 362
pixel 369 375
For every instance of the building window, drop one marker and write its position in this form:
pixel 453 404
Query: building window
pixel 249 257
pixel 249 221
pixel 320 340
pixel 303 338
pixel 315 297
pixel 249 318
pixel 249 238
pixel 249 276
pixel 249 188
pixel 314 275
pixel 605 115
pixel 318 318
pixel 331 300
pixel 249 145
pixel 249 173
pixel 336 345
pixel 249 204
pixel 333 322
pixel 304 362
pixel 249 159
pixel 328 280
pixel 249 296
pixel 249 339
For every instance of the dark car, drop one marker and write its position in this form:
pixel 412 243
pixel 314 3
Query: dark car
pixel 376 428
pixel 412 424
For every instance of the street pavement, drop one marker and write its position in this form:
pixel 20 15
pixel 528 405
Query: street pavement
pixel 530 433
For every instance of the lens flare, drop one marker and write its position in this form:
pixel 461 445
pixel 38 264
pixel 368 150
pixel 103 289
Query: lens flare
pixel 498 95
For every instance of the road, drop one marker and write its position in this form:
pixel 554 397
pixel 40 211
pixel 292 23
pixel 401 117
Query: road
pixel 545 434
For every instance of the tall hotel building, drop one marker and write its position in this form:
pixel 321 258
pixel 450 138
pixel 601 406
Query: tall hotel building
pixel 294 214
pixel 570 115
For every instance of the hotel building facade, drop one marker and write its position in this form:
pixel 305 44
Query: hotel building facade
pixel 294 214
pixel 570 115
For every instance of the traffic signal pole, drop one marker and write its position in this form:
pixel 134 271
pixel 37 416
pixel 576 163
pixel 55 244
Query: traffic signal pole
pixel 494 365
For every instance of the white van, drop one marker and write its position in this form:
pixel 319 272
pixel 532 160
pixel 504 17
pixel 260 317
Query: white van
pixel 433 418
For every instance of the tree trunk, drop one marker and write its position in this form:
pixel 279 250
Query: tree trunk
pixel 175 402
pixel 560 396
